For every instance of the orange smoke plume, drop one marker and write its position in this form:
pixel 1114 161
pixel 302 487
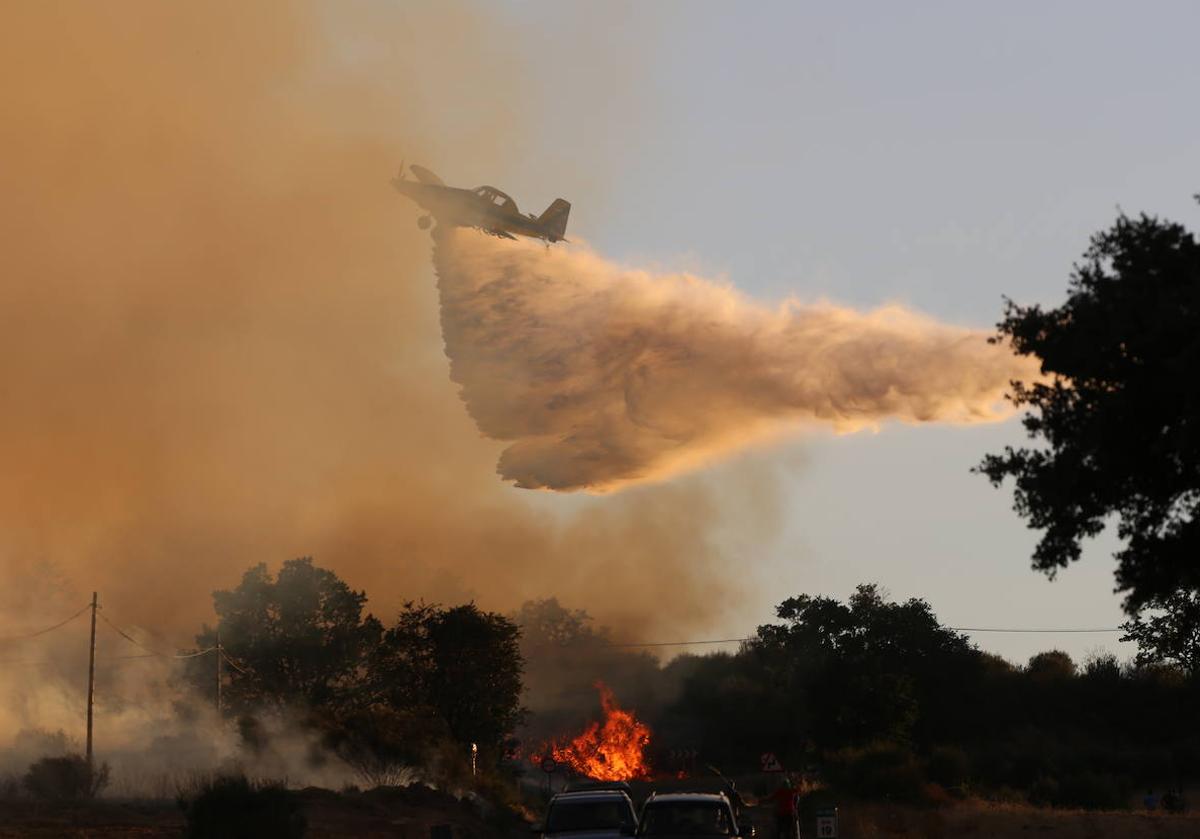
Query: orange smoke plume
pixel 613 749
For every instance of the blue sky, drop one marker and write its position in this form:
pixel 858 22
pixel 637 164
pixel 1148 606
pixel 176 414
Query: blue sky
pixel 936 154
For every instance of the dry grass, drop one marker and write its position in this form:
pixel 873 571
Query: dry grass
pixel 989 820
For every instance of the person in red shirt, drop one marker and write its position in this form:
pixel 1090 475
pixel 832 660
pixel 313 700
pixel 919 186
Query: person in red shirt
pixel 786 823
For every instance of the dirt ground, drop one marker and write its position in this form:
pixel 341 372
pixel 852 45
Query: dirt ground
pixel 986 820
pixel 402 814
pixel 395 813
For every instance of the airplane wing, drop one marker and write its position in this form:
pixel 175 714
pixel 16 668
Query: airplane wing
pixel 425 176
pixel 503 234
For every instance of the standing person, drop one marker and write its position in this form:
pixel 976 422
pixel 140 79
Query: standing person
pixel 1151 800
pixel 787 825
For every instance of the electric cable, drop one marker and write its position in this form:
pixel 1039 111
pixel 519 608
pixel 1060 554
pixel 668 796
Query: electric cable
pixel 230 661
pixel 138 643
pixel 12 638
pixel 1042 631
pixel 755 638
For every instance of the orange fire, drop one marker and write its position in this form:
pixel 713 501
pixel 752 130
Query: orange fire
pixel 611 750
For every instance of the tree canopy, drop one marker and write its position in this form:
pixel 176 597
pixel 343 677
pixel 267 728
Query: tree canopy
pixel 460 665
pixel 298 638
pixel 1168 631
pixel 874 668
pixel 1117 418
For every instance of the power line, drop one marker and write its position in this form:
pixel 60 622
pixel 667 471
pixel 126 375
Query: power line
pixel 138 643
pixel 680 643
pixel 62 623
pixel 230 661
pixel 642 644
pixel 623 645
pixel 1042 631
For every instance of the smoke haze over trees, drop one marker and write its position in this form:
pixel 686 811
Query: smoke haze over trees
pixel 301 637
pixel 878 694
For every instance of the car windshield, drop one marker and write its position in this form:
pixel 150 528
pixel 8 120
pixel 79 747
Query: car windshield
pixel 686 818
pixel 587 815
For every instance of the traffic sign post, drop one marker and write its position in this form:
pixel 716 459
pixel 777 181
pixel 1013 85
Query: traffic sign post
pixel 827 823
pixel 769 762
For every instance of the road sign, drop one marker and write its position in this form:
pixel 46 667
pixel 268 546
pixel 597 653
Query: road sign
pixel 827 823
pixel 548 765
pixel 770 763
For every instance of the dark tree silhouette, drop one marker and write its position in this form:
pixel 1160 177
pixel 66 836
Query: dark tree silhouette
pixel 1117 419
pixel 461 666
pixel 547 623
pixel 883 698
pixel 1050 665
pixel 299 639
pixel 870 669
pixel 1168 631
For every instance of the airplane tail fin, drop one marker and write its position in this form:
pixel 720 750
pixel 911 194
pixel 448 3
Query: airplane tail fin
pixel 555 218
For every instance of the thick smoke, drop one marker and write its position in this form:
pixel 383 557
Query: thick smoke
pixel 219 346
pixel 219 340
pixel 601 375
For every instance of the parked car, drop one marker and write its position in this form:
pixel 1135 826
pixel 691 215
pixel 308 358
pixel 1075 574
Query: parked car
pixel 588 814
pixel 690 814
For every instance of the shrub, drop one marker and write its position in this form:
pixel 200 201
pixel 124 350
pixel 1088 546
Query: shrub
pixel 1086 789
pixel 1044 791
pixel 10 787
pixel 949 766
pixel 1094 791
pixel 384 746
pixel 67 778
pixel 233 807
pixel 880 771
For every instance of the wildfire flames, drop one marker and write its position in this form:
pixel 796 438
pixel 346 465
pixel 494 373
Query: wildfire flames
pixel 613 749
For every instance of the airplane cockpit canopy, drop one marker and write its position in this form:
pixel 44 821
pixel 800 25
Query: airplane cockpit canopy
pixel 496 197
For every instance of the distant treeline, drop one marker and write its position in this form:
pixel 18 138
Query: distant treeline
pixel 886 702
pixel 875 697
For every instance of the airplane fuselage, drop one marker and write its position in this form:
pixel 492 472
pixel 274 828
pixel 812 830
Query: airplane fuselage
pixel 485 208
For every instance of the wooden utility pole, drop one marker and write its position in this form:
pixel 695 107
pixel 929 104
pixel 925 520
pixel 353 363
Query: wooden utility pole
pixel 91 681
pixel 218 672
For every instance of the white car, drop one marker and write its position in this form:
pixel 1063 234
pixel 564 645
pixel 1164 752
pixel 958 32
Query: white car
pixel 588 814
pixel 687 815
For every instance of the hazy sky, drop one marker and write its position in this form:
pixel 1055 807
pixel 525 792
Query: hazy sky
pixel 936 156
pixel 940 155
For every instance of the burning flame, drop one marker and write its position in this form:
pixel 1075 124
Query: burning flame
pixel 610 750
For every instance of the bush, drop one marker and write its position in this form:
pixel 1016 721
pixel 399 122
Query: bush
pixel 880 771
pixel 1044 791
pixel 949 766
pixel 233 807
pixel 1086 789
pixel 10 787
pixel 1094 791
pixel 68 778
pixel 384 746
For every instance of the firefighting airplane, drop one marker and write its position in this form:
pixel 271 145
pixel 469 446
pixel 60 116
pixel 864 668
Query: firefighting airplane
pixel 484 207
